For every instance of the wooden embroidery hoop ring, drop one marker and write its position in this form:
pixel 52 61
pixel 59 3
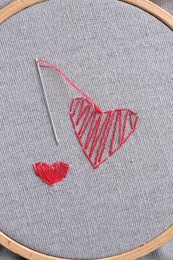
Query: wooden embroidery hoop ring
pixel 5 13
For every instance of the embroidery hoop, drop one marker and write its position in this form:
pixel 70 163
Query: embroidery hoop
pixel 143 250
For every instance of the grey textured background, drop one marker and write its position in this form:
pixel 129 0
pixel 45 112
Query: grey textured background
pixel 165 4
pixel 119 62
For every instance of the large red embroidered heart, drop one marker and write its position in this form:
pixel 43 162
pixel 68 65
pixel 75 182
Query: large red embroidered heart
pixel 101 134
pixel 51 173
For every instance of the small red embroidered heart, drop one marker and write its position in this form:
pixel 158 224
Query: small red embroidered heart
pixel 51 173
pixel 101 134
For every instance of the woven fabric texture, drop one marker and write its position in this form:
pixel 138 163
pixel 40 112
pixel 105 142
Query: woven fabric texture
pixel 122 57
pixel 7 255
pixel 165 4
pixel 4 3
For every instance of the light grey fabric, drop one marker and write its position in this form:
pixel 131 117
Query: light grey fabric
pixel 165 4
pixel 122 57
pixel 7 255
pixel 4 3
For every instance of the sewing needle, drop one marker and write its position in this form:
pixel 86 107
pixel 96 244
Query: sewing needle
pixel 47 103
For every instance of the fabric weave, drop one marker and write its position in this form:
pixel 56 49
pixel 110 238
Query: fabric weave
pixel 120 56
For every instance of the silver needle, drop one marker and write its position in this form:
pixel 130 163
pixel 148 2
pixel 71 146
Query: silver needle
pixel 47 103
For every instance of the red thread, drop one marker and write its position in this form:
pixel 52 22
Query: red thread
pixel 41 64
pixel 103 133
pixel 99 133
pixel 51 174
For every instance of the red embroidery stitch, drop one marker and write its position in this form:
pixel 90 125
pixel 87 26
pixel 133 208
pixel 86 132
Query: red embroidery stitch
pixel 100 134
pixel 51 173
